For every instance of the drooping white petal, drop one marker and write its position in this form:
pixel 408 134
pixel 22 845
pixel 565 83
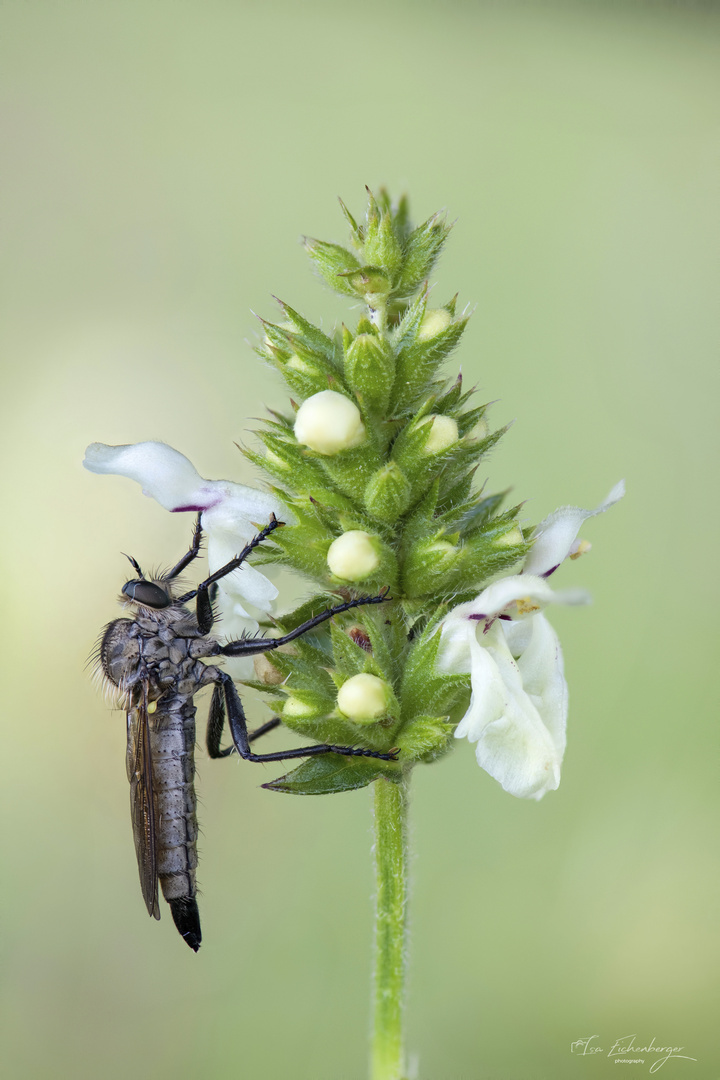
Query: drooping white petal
pixel 514 744
pixel 554 537
pixel 229 526
pixel 164 473
pixel 540 662
pixel 488 693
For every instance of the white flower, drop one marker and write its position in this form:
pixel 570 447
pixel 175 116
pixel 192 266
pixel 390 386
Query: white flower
pixel 518 709
pixel 230 516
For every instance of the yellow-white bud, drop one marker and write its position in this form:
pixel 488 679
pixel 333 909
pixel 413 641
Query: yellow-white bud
pixel 509 539
pixel 282 326
pixel 481 430
pixel 329 422
pixel 298 710
pixel 434 321
pixel 300 365
pixel 265 670
pixel 363 697
pixel 353 556
pixel 273 459
pixel 443 433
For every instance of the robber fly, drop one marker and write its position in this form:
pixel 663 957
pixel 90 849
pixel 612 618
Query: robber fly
pixel 153 662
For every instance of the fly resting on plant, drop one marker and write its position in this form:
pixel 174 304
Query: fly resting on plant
pixel 153 660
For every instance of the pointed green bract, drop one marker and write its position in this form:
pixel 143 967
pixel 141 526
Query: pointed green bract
pixel 331 774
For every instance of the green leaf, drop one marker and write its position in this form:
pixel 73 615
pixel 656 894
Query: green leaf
pixel 382 246
pixel 387 495
pixel 421 252
pixel 332 773
pixel 418 361
pixel 425 691
pixel 370 369
pixel 350 659
pixel 481 513
pixel 333 261
pixel 408 327
pixel 312 337
pixel 358 234
pixel 387 631
pixel 425 738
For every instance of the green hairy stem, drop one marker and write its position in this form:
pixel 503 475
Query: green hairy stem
pixel 391 883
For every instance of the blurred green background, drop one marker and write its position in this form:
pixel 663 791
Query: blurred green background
pixel 161 161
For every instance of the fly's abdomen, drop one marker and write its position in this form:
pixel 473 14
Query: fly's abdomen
pixel 173 754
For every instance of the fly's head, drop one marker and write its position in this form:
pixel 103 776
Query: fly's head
pixel 152 593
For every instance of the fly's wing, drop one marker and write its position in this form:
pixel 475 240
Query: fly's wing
pixel 142 797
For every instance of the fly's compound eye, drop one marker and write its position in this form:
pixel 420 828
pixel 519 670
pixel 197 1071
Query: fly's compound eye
pixel 146 592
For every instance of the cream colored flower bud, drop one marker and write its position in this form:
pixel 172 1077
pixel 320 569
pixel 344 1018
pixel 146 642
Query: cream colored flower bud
pixel 273 459
pixel 268 343
pixel 329 422
pixel 481 430
pixel 265 670
pixel 435 320
pixel 363 697
pixel 509 539
pixel 300 365
pixel 353 556
pixel 298 710
pixel 443 434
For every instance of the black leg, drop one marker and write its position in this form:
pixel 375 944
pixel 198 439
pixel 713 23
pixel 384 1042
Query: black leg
pixel 250 646
pixel 189 555
pixel 216 723
pixel 205 615
pixel 238 729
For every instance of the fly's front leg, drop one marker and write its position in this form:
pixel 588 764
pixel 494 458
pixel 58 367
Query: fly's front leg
pixel 191 554
pixel 204 611
pixel 251 646
pixel 225 688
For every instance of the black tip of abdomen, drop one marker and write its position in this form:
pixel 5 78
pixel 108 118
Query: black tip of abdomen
pixel 187 919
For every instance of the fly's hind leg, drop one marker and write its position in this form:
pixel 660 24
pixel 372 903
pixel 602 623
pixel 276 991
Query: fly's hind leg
pixel 225 689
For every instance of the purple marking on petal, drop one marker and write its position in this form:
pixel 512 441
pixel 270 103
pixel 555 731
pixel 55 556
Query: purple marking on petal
pixel 477 618
pixel 508 617
pixel 194 509
pixel 552 570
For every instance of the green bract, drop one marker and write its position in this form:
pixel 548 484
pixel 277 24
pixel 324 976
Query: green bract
pixel 377 477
